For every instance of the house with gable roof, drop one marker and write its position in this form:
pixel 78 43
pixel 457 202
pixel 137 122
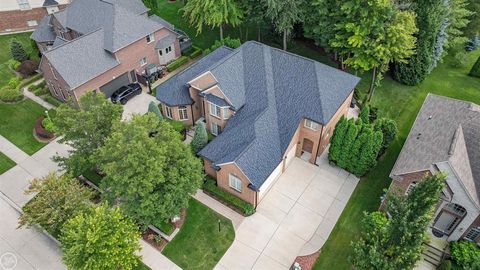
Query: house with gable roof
pixel 101 45
pixel 264 105
pixel 445 137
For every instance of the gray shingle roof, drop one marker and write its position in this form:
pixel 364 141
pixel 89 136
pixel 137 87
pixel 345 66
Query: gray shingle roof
pixel 217 100
pixel 273 91
pixel 82 59
pixel 44 31
pixel 166 41
pixel 174 91
pixel 162 22
pixel 58 41
pixel 445 130
pixel 48 3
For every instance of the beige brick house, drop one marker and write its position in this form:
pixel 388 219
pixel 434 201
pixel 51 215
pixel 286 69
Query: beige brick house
pixel 101 45
pixel 264 105
pixel 24 15
pixel 445 138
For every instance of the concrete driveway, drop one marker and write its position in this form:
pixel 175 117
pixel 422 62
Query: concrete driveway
pixel 138 105
pixel 295 218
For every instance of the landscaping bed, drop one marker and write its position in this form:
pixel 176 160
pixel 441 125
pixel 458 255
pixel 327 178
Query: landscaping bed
pixel 236 204
pixel 41 133
pixel 204 238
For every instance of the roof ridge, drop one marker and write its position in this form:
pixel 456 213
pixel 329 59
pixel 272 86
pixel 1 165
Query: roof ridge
pixel 71 41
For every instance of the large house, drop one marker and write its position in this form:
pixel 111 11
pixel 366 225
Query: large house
pixel 264 105
pixel 101 45
pixel 445 138
pixel 23 15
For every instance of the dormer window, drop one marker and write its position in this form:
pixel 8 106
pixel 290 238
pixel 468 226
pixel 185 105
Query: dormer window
pixel 310 124
pixel 150 38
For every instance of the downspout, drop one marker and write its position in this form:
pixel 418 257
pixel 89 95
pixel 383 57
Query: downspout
pixel 319 143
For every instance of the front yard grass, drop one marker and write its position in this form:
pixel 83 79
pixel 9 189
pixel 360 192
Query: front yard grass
pixel 17 122
pixel 5 163
pixel 200 244
pixel 401 103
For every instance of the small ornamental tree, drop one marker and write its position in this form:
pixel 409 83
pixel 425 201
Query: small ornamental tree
pixel 389 129
pixel 200 139
pixel 337 140
pixel 348 140
pixel 152 107
pixel 475 71
pixel 18 51
pixel 102 238
pixel 365 114
pixel 59 198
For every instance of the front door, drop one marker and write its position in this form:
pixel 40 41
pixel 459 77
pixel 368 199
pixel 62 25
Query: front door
pixel 166 54
pixel 446 222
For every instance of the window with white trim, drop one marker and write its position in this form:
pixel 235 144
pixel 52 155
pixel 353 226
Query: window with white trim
pixel 235 182
pixel 215 110
pixel 473 234
pixel 182 112
pixel 216 129
pixel 23 4
pixel 225 113
pixel 31 23
pixel 143 61
pixel 168 49
pixel 410 188
pixel 168 111
pixel 150 38
pixel 310 124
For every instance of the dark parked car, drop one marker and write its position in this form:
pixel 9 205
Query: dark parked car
pixel 126 92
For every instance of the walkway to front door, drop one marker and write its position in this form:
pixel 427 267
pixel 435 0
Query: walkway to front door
pixel 295 217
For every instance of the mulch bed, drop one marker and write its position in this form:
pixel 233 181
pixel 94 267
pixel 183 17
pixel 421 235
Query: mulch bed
pixel 178 224
pixel 149 236
pixel 307 262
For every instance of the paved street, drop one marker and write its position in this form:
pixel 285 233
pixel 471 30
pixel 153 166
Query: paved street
pixel 295 218
pixel 23 249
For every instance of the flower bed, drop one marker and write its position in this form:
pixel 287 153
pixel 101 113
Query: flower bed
pixel 41 132
pixel 154 239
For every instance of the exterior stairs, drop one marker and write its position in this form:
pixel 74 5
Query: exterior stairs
pixel 432 255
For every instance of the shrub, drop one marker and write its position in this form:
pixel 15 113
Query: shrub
pixel 445 265
pixel 365 114
pixel 177 63
pixel 40 130
pixel 475 71
pixel 18 51
pixel 50 99
pixel 196 53
pixel 13 64
pixel 29 80
pixel 459 59
pixel 42 84
pixel 8 94
pixel 207 51
pixel 466 254
pixel 389 129
pixel 177 125
pixel 152 107
pixel 200 139
pixel 14 82
pixel 473 43
pixel 40 91
pixel 244 207
pixel 229 42
pixel 47 123
pixel 28 68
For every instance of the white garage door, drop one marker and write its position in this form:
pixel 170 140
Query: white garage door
pixel 291 154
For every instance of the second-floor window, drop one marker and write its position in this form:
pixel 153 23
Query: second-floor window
pixel 23 4
pixel 168 111
pixel 182 112
pixel 215 110
pixel 310 124
pixel 143 61
pixel 150 38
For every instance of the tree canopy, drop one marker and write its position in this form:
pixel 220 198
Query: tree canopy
pixel 284 14
pixel 149 170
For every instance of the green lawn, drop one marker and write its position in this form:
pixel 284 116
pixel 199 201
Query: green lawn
pixel 17 124
pixel 5 73
pixel 401 103
pixel 5 163
pixel 200 244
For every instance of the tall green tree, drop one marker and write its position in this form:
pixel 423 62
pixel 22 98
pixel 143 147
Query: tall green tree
pixel 365 114
pixel 473 27
pixel 348 140
pixel 458 18
pixel 396 243
pixel 337 139
pixel 18 51
pixel 428 22
pixel 200 139
pixel 254 13
pixel 320 21
pixel 284 14
pixel 389 129
pixel 149 170
pixel 85 128
pixel 385 34
pixel 369 151
pixel 213 13
pixel 102 238
pixel 59 198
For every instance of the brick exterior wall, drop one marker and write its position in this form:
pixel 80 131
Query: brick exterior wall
pixel 57 85
pixel 16 20
pixel 176 114
pixel 475 224
pixel 246 194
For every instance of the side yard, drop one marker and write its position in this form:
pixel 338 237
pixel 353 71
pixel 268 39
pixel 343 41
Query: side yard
pixel 400 103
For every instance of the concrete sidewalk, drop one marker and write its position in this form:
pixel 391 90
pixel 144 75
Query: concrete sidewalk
pixel 38 100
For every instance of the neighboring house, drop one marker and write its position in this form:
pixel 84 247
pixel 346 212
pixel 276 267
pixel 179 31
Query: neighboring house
pixel 101 45
pixel 265 106
pixel 445 138
pixel 21 15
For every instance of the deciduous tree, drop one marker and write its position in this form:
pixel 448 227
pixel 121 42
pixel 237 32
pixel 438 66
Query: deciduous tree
pixel 102 238
pixel 59 198
pixel 284 14
pixel 85 129
pixel 149 170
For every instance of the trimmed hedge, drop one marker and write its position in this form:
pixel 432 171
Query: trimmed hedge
pixel 50 99
pixel 177 125
pixel 29 80
pixel 475 71
pixel 177 63
pixel 8 94
pixel 242 206
pixel 196 53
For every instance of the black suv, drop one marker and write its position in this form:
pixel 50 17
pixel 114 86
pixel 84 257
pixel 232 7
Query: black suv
pixel 125 93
